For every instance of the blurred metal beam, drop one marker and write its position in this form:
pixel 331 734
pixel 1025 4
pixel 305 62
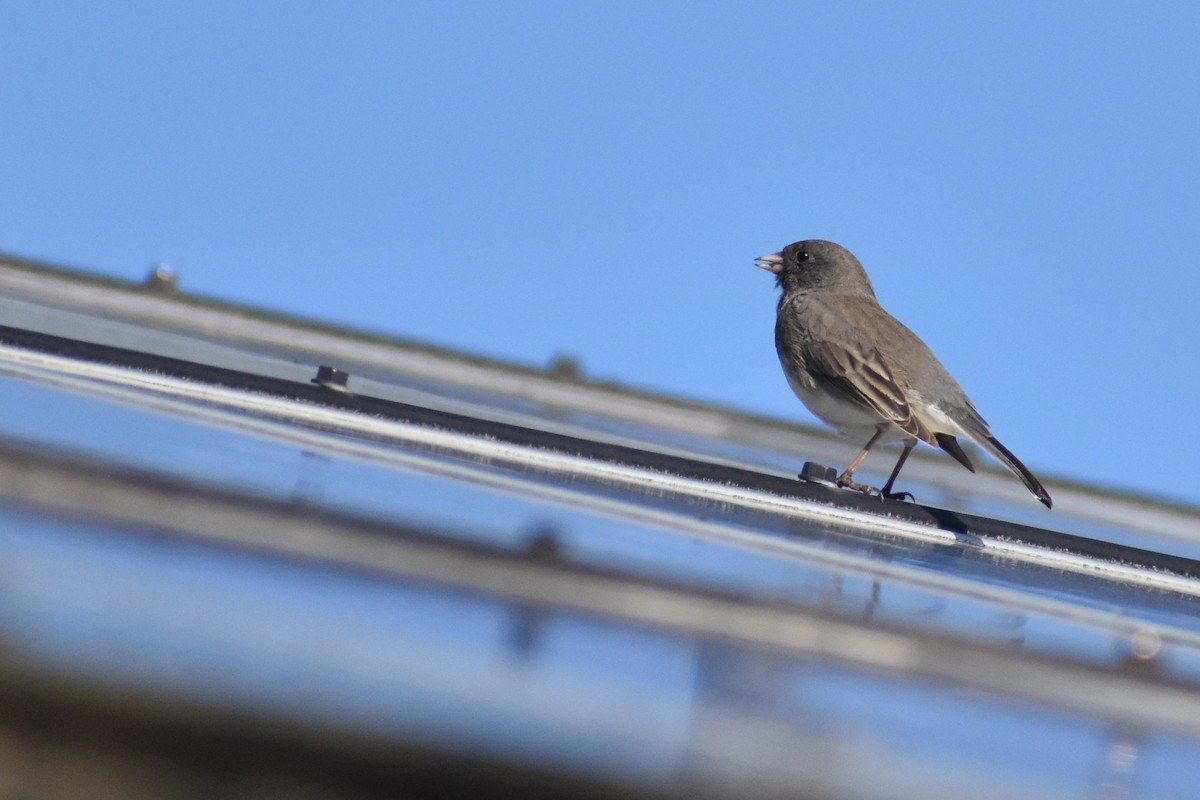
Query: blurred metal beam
pixel 152 504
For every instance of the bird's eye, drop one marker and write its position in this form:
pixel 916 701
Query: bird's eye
pixel 802 256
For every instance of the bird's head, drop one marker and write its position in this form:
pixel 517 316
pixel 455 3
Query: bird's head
pixel 816 264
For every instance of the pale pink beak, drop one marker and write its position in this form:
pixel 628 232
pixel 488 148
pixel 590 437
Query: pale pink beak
pixel 771 263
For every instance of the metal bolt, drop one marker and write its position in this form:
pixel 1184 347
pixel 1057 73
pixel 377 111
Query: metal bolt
pixel 163 278
pixel 543 544
pixel 331 378
pixel 1145 645
pixel 566 367
pixel 818 473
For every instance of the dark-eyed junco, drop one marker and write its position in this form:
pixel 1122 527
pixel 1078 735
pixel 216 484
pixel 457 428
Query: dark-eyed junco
pixel 861 371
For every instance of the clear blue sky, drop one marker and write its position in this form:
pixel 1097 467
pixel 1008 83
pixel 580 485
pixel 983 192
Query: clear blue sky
pixel 1022 181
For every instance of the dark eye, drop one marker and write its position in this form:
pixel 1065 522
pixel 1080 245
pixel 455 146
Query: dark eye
pixel 802 256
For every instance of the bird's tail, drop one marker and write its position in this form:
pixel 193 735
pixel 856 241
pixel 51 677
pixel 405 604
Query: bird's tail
pixel 1005 455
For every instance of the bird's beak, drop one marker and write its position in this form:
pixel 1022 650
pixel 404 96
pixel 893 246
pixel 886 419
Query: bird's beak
pixel 771 263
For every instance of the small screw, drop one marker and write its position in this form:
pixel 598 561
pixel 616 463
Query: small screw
pixel 331 378
pixel 163 278
pixel 543 544
pixel 1145 645
pixel 566 367
pixel 818 473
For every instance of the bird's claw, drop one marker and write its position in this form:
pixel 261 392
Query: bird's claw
pixel 845 483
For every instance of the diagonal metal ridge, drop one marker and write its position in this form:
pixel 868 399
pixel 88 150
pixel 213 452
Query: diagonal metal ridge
pixel 145 503
pixel 1011 537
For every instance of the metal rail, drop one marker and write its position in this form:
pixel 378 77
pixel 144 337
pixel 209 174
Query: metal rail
pixel 321 408
pixel 150 504
pixel 291 337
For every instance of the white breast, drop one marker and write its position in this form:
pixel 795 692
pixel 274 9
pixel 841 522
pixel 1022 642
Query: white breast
pixel 848 419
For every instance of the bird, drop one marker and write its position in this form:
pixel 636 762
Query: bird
pixel 862 372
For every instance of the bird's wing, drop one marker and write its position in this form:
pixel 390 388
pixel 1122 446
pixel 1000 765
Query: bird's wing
pixel 833 348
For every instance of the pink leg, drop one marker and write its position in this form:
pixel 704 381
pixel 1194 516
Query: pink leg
pixel 887 487
pixel 845 478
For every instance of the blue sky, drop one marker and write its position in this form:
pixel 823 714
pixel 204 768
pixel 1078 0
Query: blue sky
pixel 1021 180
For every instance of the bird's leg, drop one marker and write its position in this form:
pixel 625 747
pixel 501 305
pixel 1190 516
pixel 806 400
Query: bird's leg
pixel 887 487
pixel 844 480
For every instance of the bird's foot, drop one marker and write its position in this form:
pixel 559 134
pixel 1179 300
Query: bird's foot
pixel 844 481
pixel 902 496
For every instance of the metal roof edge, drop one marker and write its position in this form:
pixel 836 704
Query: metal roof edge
pixel 132 290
